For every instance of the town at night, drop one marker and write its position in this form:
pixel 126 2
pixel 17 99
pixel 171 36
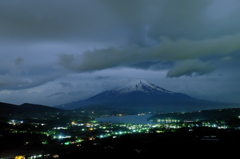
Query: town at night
pixel 63 134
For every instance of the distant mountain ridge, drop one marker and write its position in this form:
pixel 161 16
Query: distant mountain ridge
pixel 7 109
pixel 141 95
pixel 210 115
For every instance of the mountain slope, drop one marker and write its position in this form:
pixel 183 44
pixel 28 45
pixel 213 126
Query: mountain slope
pixel 143 96
pixel 25 109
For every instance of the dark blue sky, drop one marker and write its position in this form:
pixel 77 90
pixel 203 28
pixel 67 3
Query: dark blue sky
pixel 53 52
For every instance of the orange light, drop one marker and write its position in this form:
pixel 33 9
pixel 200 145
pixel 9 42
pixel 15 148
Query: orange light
pixel 19 157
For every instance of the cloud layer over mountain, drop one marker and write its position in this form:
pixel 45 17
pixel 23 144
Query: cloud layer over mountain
pixel 95 45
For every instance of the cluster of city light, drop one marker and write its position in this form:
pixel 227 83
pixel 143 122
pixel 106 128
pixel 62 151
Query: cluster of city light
pixel 60 128
pixel 110 130
pixel 168 121
pixel 62 137
pixel 15 122
pixel 214 125
pixel 115 130
pixel 37 156
pixel 129 129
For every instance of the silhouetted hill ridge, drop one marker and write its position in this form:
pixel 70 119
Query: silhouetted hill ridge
pixel 7 109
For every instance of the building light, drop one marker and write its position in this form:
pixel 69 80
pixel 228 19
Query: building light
pixel 19 157
pixel 63 137
pixel 56 156
pixel 79 140
pixel 60 128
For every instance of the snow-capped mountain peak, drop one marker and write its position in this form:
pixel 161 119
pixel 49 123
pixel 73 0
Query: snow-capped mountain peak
pixel 143 86
pixel 142 96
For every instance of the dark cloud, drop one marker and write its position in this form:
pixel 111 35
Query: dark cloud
pixel 190 68
pixel 41 20
pixel 66 84
pixel 146 65
pixel 17 75
pixel 100 59
pixel 167 51
pixel 18 61
pixel 102 77
pixel 139 22
pixel 17 82
pixel 64 94
pixel 85 44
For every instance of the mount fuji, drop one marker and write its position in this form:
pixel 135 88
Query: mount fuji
pixel 141 96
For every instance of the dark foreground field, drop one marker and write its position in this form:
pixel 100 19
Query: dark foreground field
pixel 184 143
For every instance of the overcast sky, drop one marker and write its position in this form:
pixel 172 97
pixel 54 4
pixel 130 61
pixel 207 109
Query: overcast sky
pixel 58 51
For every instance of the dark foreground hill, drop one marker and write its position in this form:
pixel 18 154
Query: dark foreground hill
pixel 25 110
pixel 174 145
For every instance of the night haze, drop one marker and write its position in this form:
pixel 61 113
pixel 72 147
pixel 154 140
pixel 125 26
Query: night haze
pixel 119 78
pixel 62 51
